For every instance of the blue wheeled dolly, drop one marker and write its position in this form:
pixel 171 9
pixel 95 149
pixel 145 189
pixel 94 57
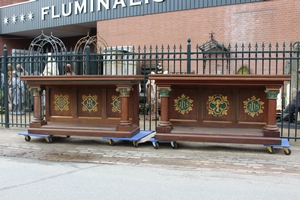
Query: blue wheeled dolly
pixel 155 143
pixel 285 145
pixel 142 136
pixel 28 136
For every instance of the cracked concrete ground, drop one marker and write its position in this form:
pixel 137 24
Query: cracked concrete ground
pixel 239 158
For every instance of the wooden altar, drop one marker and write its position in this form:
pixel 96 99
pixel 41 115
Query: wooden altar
pixel 86 105
pixel 218 108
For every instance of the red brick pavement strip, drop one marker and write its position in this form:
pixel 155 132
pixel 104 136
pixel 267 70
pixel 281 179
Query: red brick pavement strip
pixel 250 159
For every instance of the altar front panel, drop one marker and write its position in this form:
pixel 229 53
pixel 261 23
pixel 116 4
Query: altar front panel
pixel 81 104
pixel 218 106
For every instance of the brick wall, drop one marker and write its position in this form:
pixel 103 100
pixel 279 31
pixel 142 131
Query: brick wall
pixel 13 42
pixel 269 21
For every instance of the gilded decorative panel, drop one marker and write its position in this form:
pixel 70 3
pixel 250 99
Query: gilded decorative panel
pixel 183 104
pixel 89 103
pixel 253 106
pixel 61 102
pixel 217 105
pixel 116 103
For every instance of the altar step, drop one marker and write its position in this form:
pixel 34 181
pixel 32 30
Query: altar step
pixel 218 135
pixel 83 129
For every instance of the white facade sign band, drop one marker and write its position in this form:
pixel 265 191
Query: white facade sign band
pixel 37 15
pixel 85 6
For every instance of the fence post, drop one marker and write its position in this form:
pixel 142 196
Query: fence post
pixel 297 110
pixel 189 56
pixel 88 51
pixel 5 72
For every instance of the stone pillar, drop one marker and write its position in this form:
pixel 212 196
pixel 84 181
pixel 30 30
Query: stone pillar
pixel 271 129
pixel 37 120
pixel 164 125
pixel 124 96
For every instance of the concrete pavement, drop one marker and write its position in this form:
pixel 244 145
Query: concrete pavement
pixel 32 179
pixel 239 158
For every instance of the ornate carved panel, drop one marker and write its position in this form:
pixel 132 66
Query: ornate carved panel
pixel 89 102
pixel 61 102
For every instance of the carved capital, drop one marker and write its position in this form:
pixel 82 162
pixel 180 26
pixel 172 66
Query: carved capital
pixel 164 91
pixel 272 93
pixel 124 91
pixel 37 91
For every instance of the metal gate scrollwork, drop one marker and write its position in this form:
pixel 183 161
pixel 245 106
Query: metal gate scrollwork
pixel 98 44
pixel 49 49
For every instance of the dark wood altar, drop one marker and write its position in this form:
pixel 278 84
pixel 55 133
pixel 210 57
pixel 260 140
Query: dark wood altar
pixel 218 108
pixel 85 105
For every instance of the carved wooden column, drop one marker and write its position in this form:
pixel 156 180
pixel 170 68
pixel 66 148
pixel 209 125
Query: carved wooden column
pixel 271 129
pixel 164 125
pixel 37 120
pixel 124 96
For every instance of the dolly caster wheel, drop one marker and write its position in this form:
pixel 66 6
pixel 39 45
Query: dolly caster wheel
pixel 287 151
pixel 27 138
pixel 111 142
pixel 155 145
pixel 270 149
pixel 174 144
pixel 48 139
pixel 135 144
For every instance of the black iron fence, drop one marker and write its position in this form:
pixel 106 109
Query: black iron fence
pixel 209 58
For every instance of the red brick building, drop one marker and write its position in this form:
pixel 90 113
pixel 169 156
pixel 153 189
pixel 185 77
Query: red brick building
pixel 267 21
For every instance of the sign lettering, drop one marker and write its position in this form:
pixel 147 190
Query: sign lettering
pixel 85 6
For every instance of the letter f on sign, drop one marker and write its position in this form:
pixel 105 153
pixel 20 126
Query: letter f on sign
pixel 45 12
